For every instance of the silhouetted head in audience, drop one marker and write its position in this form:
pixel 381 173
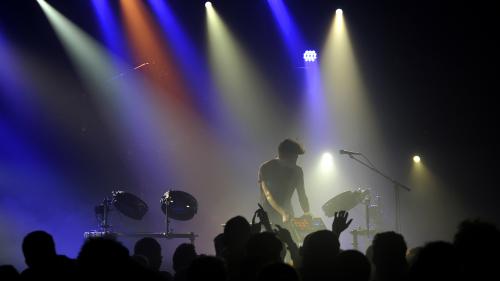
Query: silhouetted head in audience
pixel 183 256
pixel 236 232
pixel 38 249
pixel 352 265
pixel 369 253
pixel 141 260
pixel 219 244
pixel 389 256
pixel 100 256
pixel 278 272
pixel 207 268
pixel 151 249
pixel 264 247
pixel 435 261
pixel 476 242
pixel 318 252
pixel 318 246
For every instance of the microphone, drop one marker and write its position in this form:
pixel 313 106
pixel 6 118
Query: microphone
pixel 349 152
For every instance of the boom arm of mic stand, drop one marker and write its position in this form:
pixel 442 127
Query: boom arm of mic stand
pixel 396 183
pixel 397 186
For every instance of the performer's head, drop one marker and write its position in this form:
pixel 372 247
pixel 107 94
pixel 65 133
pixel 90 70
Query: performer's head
pixel 289 150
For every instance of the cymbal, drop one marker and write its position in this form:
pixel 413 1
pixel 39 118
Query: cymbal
pixel 129 204
pixel 179 205
pixel 343 202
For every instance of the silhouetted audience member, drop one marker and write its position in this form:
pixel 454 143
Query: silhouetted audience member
pixel 351 265
pixel 42 260
pixel 389 257
pixel 9 272
pixel 262 249
pixel 369 256
pixel 478 245
pixel 182 259
pixel 109 259
pixel 244 256
pixel 219 245
pixel 150 249
pixel 278 272
pixel 141 260
pixel 236 234
pixel 103 257
pixel 435 261
pixel 318 253
pixel 207 268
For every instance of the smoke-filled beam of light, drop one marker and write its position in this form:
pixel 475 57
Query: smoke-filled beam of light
pixel 196 71
pixel 131 116
pixel 92 61
pixel 244 93
pixel 188 57
pixel 294 41
pixel 13 88
pixel 147 46
pixel 111 31
pixel 347 96
pixel 29 177
pixel 316 114
pixel 181 127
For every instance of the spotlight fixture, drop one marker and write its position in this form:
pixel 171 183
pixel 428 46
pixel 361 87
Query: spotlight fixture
pixel 416 159
pixel 338 12
pixel 310 56
pixel 208 4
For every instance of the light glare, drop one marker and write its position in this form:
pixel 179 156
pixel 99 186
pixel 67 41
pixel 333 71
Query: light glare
pixel 208 4
pixel 416 159
pixel 326 163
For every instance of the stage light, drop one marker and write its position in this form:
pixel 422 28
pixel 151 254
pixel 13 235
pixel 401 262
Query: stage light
pixel 326 162
pixel 416 159
pixel 208 4
pixel 310 56
pixel 338 12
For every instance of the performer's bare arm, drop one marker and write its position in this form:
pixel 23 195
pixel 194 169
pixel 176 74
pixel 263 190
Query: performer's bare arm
pixel 274 205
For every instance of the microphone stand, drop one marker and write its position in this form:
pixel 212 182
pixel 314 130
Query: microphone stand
pixel 397 186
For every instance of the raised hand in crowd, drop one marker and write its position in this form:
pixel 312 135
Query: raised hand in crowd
pixel 340 222
pixel 263 221
pixel 285 236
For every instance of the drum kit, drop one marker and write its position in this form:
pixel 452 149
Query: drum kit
pixel 175 205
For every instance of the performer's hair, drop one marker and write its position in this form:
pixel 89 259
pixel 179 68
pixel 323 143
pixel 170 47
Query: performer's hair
pixel 290 147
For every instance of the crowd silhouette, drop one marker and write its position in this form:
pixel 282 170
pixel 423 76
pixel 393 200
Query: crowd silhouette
pixel 258 252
